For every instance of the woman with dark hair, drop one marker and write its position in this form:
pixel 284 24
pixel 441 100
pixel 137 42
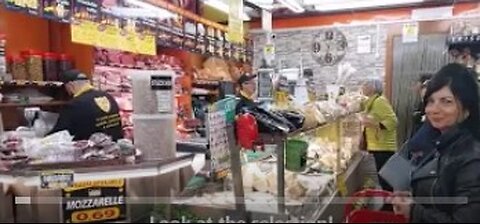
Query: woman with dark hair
pixel 445 186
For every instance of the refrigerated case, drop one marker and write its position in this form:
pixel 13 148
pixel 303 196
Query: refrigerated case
pixel 141 185
pixel 217 200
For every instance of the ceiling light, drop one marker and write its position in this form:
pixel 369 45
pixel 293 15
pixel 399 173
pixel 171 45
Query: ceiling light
pixel 330 5
pixel 222 6
pixel 147 10
pixel 293 5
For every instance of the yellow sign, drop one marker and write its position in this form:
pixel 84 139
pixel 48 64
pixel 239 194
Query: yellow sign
pixel 235 22
pixel 410 32
pixel 115 183
pixel 112 37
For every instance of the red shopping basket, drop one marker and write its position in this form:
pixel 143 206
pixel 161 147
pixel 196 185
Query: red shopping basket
pixel 367 216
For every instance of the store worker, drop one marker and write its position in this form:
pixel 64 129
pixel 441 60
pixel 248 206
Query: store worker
pixel 380 122
pixel 445 186
pixel 90 111
pixel 248 89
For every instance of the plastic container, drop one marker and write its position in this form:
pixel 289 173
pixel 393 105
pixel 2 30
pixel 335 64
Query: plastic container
pixel 160 145
pixel 34 64
pixel 50 66
pixel 19 69
pixel 296 155
pixel 65 63
pixel 9 61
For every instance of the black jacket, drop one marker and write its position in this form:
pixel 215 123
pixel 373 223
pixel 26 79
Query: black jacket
pixel 446 185
pixel 244 103
pixel 91 112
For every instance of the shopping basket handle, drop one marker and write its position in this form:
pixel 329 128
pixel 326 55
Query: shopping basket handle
pixel 368 193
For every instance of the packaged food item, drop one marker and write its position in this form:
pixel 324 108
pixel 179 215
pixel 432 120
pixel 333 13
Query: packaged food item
pixel 147 100
pixel 34 64
pixel 50 66
pixel 161 145
pixel 9 61
pixel 65 63
pixel 3 59
pixel 19 69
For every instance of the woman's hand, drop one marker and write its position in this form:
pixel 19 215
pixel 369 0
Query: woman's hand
pixel 402 203
pixel 369 121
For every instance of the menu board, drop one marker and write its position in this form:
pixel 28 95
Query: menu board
pixel 87 9
pixel 32 7
pixel 211 40
pixel 200 37
pixel 186 31
pixel 190 34
pixel 59 10
pixel 113 37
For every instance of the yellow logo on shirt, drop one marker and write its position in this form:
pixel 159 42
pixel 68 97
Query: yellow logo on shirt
pixel 103 103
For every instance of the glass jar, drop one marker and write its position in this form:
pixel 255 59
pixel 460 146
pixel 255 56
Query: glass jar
pixel 50 66
pixel 34 62
pixel 19 69
pixel 65 63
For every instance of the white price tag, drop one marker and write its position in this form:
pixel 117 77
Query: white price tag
pixel 164 101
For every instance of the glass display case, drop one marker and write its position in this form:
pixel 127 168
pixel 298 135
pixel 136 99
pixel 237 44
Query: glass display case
pixel 307 169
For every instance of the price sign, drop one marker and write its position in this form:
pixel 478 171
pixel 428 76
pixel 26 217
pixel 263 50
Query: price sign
pixel 95 201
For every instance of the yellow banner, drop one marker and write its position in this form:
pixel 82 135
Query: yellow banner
pixel 115 183
pixel 235 22
pixel 112 37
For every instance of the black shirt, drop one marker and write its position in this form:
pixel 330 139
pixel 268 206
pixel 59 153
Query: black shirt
pixel 91 112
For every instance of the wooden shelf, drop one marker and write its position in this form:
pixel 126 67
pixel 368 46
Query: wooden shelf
pixel 46 104
pixel 21 83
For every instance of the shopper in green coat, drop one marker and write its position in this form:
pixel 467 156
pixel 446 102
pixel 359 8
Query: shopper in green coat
pixel 380 122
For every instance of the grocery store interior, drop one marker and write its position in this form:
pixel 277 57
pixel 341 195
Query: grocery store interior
pixel 238 110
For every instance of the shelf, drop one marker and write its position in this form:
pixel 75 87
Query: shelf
pixel 206 82
pixel 46 104
pixel 22 83
pixel 464 40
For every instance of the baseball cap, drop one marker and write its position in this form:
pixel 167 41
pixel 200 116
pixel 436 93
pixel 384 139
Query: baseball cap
pixel 73 75
pixel 245 78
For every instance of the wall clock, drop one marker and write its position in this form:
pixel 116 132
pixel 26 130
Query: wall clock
pixel 329 47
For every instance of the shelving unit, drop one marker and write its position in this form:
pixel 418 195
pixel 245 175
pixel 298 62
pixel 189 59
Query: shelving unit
pixel 23 83
pixel 45 104
pixel 465 41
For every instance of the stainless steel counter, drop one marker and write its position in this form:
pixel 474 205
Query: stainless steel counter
pixel 147 183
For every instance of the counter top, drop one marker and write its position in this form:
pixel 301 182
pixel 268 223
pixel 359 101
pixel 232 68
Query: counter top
pixel 143 168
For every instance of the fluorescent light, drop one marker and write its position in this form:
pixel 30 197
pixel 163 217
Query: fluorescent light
pixel 293 5
pixel 330 5
pixel 157 11
pixel 222 6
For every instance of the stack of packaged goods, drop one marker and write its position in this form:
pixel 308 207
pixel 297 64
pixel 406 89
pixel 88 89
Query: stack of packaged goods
pixel 153 119
pixel 3 59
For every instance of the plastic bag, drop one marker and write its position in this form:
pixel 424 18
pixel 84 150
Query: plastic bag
pixel 58 147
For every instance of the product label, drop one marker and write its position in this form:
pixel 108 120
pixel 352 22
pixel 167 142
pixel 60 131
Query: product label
pixel 56 179
pixel 164 88
pixel 95 201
